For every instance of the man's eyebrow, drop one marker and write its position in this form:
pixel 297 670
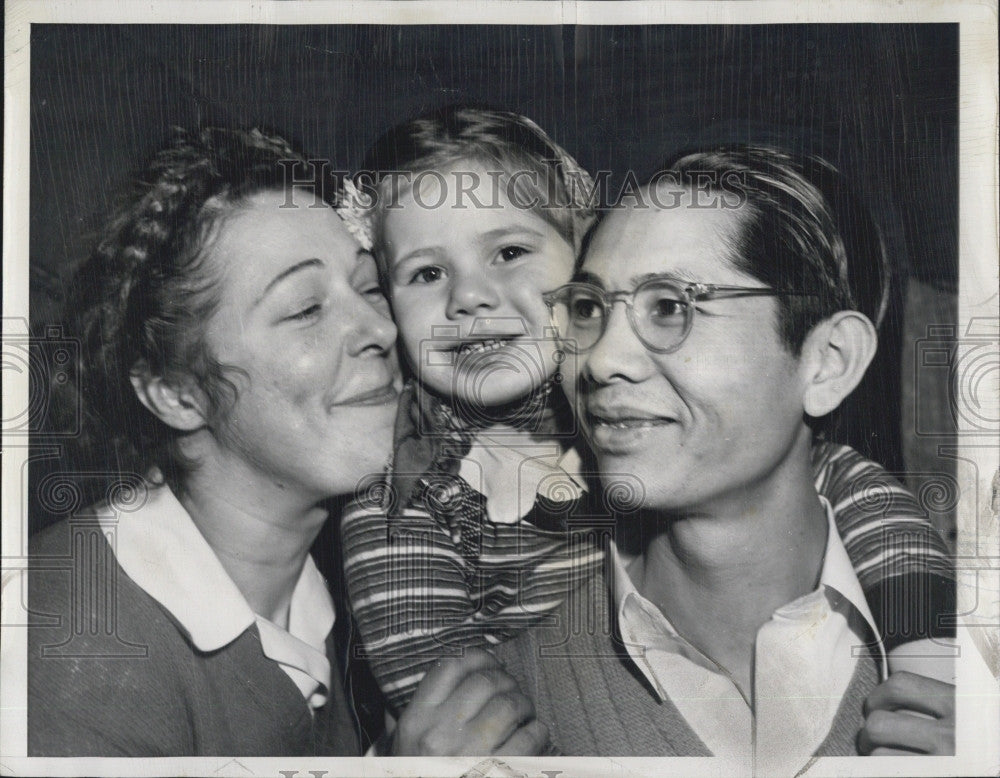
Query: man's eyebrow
pixel 680 275
pixel 305 263
pixel 586 277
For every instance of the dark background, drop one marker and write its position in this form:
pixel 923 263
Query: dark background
pixel 880 101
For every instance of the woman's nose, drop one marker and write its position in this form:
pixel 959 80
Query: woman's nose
pixel 374 330
pixel 471 292
pixel 618 354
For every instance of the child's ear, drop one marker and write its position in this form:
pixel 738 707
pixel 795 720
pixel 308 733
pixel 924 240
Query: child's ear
pixel 181 405
pixel 835 355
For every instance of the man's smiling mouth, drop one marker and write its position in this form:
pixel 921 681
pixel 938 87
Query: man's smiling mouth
pixel 628 424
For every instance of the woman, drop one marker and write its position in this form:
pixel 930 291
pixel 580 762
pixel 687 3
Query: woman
pixel 237 363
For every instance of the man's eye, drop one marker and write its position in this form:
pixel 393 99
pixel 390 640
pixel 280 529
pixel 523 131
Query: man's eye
pixel 306 313
pixel 666 308
pixel 584 309
pixel 427 275
pixel 510 253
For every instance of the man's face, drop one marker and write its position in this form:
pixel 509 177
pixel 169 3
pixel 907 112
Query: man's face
pixel 714 424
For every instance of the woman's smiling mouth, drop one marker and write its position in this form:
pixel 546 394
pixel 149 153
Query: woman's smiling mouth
pixel 380 395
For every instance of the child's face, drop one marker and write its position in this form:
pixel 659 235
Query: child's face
pixel 466 286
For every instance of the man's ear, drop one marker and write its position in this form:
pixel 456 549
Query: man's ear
pixel 179 405
pixel 835 355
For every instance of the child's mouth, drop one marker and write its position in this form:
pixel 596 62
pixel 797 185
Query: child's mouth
pixel 481 346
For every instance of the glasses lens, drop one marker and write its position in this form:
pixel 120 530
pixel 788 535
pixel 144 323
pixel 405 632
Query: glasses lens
pixel 579 316
pixel 661 315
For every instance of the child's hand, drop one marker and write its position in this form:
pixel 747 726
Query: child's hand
pixel 469 706
pixel 909 714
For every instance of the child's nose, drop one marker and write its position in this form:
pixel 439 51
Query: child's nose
pixel 470 293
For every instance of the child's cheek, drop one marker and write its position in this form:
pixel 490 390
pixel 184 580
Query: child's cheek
pixel 558 264
pixel 412 331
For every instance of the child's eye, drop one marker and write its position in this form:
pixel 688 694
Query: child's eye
pixel 306 313
pixel 427 275
pixel 510 253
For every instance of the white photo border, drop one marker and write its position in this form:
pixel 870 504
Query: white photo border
pixel 978 742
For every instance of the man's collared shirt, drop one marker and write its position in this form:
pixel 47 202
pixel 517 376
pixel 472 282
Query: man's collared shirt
pixel 804 660
pixel 161 550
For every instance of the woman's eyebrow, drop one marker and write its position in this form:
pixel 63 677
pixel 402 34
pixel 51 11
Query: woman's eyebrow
pixel 305 263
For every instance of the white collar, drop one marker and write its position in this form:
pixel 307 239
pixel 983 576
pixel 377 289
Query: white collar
pixel 837 578
pixel 163 552
pixel 838 575
pixel 494 465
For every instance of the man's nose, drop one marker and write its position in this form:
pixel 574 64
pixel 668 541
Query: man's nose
pixel 618 354
pixel 471 292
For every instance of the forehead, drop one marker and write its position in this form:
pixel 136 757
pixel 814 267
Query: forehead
pixel 461 202
pixel 262 237
pixel 689 240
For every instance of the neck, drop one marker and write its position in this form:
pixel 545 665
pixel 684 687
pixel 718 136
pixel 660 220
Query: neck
pixel 719 572
pixel 260 533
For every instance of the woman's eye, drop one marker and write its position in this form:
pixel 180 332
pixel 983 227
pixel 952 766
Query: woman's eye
pixel 306 313
pixel 427 275
pixel 376 297
pixel 510 253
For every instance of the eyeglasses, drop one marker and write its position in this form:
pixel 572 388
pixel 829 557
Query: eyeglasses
pixel 660 310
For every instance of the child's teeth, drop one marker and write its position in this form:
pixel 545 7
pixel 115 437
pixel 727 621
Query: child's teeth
pixel 483 345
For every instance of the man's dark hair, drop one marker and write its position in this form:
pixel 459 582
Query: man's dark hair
pixel 804 230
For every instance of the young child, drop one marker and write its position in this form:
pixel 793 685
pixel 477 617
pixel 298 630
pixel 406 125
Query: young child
pixel 485 521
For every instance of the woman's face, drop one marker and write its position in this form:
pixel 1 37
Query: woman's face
pixel 302 318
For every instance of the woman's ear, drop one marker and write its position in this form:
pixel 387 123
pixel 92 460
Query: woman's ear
pixel 835 355
pixel 179 405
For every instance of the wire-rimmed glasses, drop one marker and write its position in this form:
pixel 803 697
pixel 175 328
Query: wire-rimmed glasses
pixel 660 310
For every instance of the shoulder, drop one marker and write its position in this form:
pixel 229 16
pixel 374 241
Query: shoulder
pixel 101 651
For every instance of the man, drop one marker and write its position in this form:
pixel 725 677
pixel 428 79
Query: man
pixel 733 621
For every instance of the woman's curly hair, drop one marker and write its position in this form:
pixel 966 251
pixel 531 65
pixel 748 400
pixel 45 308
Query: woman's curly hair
pixel 142 298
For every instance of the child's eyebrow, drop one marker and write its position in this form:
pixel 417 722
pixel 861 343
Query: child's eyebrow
pixel 416 253
pixel 502 232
